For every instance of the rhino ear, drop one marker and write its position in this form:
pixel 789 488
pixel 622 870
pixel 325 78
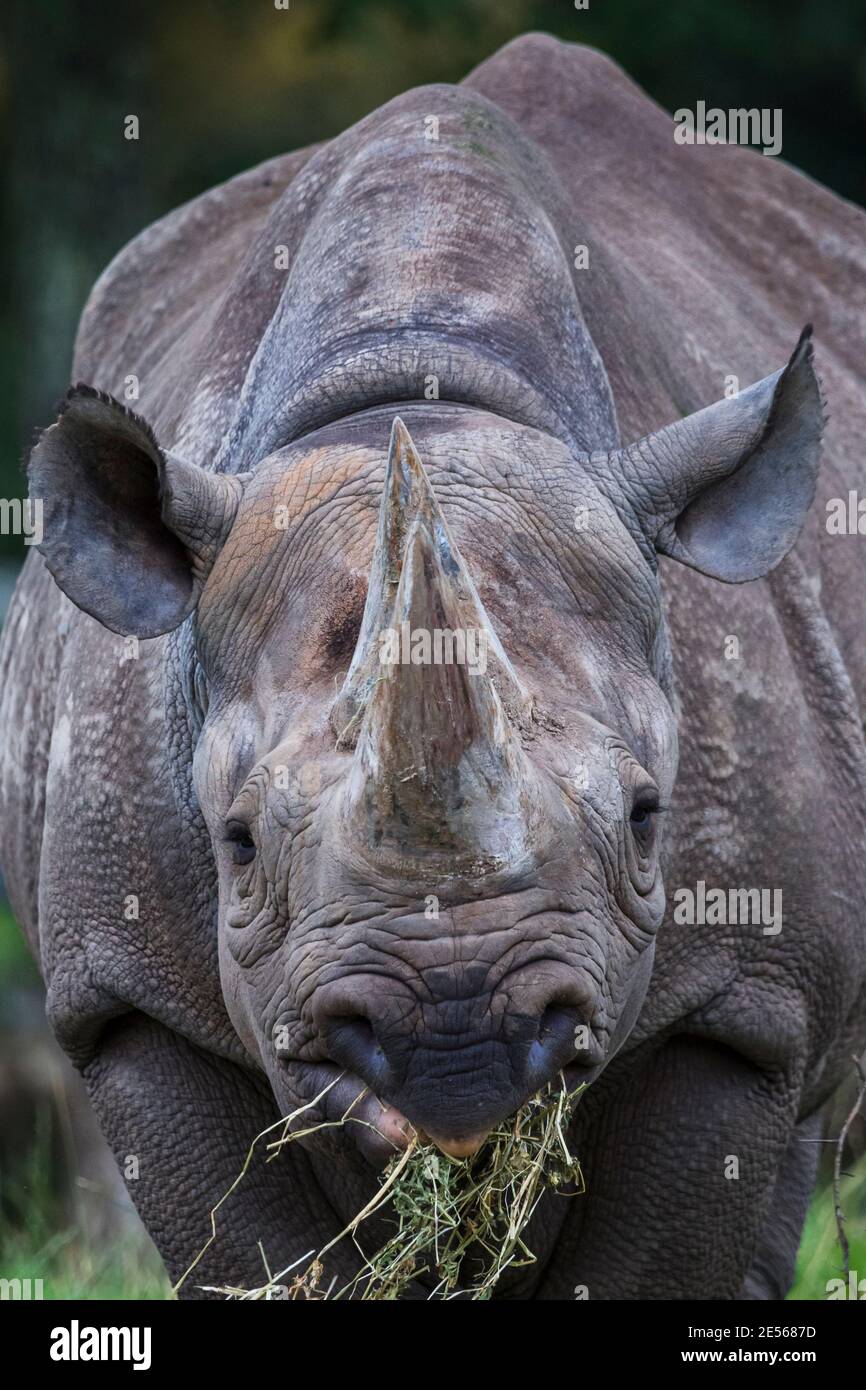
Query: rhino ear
pixel 727 490
pixel 129 531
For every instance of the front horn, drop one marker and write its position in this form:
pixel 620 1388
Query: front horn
pixel 439 766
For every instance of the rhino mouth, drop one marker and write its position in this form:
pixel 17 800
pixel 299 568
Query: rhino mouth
pixel 344 1104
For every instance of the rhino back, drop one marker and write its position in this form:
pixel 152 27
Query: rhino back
pixel 438 263
pixel 354 274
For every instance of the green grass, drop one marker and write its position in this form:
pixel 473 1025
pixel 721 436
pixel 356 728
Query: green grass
pixel 820 1258
pixel 39 1241
pixel 126 1271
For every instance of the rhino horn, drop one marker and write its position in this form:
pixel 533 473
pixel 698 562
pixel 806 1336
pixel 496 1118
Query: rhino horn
pixel 439 766
pixel 407 497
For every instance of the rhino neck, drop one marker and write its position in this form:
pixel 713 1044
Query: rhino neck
pixel 423 268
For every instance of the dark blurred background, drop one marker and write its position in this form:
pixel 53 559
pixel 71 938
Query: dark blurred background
pixel 219 85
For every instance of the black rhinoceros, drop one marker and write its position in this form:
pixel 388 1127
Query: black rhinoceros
pixel 466 370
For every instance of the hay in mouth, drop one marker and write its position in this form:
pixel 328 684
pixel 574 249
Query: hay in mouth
pixel 444 1210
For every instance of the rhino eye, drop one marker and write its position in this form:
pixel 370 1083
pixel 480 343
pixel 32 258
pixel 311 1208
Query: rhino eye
pixel 642 813
pixel 242 843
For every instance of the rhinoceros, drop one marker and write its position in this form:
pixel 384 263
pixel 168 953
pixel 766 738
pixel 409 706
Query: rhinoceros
pixel 461 375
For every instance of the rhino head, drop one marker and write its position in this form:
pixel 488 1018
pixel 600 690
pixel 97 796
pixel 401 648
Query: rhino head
pixel 435 732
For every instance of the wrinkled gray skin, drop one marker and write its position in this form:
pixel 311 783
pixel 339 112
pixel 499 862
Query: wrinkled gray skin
pixel 281 939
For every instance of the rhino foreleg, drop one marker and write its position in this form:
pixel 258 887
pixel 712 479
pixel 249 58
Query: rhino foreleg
pixel 180 1123
pixel 772 1270
pixel 681 1152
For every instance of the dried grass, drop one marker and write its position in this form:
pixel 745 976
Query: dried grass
pixel 460 1223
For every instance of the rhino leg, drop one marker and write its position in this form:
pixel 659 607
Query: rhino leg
pixel 772 1270
pixel 188 1118
pixel 663 1216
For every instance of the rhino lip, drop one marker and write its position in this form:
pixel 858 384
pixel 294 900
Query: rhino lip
pixel 379 1129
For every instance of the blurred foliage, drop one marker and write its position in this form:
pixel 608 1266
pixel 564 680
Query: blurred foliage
pixel 41 1239
pixel 820 1257
pixel 221 84
pixel 17 966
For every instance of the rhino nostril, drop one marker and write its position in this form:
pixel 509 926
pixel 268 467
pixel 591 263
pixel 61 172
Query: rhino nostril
pixel 352 1042
pixel 551 1020
pixel 556 1043
pixel 557 1025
